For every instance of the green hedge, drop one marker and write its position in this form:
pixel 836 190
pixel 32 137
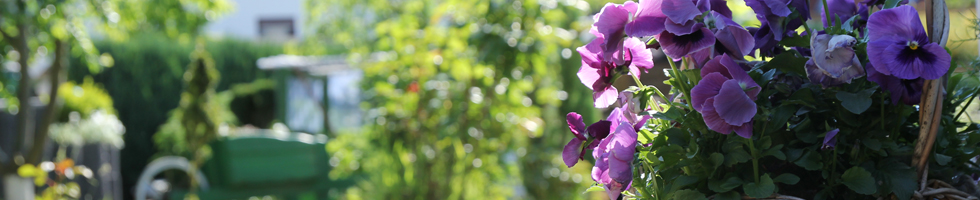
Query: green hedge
pixel 146 81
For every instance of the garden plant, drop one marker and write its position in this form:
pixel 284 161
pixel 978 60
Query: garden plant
pixel 783 110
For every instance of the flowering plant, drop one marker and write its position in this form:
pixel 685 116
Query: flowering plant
pixel 817 112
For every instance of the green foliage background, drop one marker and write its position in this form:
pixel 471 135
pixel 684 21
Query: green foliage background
pixel 147 79
pixel 464 99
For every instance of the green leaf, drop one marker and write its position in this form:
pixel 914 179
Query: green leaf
pixel 787 178
pixel 872 144
pixel 717 159
pixel 688 194
pixel 677 136
pixel 859 180
pixel 891 4
pixel 848 25
pixel 672 114
pixel 730 195
pixel 899 178
pixel 858 102
pixel 594 188
pixel 764 188
pixel 789 62
pixel 943 159
pixel 683 181
pixel 724 185
pixel 810 161
pixel 796 41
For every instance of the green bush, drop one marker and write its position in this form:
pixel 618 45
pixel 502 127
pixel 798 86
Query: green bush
pixel 147 78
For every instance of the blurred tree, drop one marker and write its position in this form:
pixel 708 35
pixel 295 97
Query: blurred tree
pixel 465 98
pixel 30 28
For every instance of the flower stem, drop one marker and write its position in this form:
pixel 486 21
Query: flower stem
pixel 755 159
pixel 682 82
pixel 826 11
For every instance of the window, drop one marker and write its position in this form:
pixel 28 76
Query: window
pixel 280 29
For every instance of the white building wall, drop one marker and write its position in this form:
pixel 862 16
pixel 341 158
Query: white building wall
pixel 243 20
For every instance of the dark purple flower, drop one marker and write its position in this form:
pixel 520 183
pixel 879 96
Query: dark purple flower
pixel 908 91
pixel 615 21
pixel 840 10
pixel 678 46
pixel 574 151
pixel 881 2
pixel 833 62
pixel 776 14
pixel 726 97
pixel 830 140
pixel 614 160
pixel 898 46
pixel 598 72
pixel 730 37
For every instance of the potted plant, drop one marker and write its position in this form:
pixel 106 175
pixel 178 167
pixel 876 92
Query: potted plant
pixel 784 110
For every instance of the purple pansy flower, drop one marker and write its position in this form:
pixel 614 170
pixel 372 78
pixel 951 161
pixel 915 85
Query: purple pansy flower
pixel 901 46
pixel 614 160
pixel 776 12
pixel 685 34
pixel 839 10
pixel 908 91
pixel 726 97
pixel 830 140
pixel 833 62
pixel 615 21
pixel 574 151
pixel 731 38
pixel 598 72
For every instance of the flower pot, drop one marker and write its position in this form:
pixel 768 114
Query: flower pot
pixel 16 187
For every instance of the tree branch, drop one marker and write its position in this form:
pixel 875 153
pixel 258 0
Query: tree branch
pixel 53 107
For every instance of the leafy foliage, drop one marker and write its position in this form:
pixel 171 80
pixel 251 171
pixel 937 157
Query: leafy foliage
pixel 462 99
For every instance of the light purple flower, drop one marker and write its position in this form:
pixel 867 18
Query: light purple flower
pixel 908 91
pixel 899 46
pixel 614 160
pixel 834 62
pixel 574 151
pixel 615 21
pixel 726 97
pixel 830 140
pixel 598 72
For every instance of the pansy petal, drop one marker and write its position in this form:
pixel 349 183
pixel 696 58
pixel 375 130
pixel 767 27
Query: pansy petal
pixel 679 46
pixel 778 7
pixel 737 108
pixel 680 11
pixel 712 119
pixel 605 97
pixel 572 152
pixel 575 123
pixel 888 50
pixel 745 130
pixel 736 40
pixel 902 21
pixel 610 22
pixel 707 88
pixel 600 129
pixel 641 57
pixel 937 66
pixel 623 142
pixel 829 140
pixel 685 28
pixel 648 21
pixel 591 53
pixel 588 75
